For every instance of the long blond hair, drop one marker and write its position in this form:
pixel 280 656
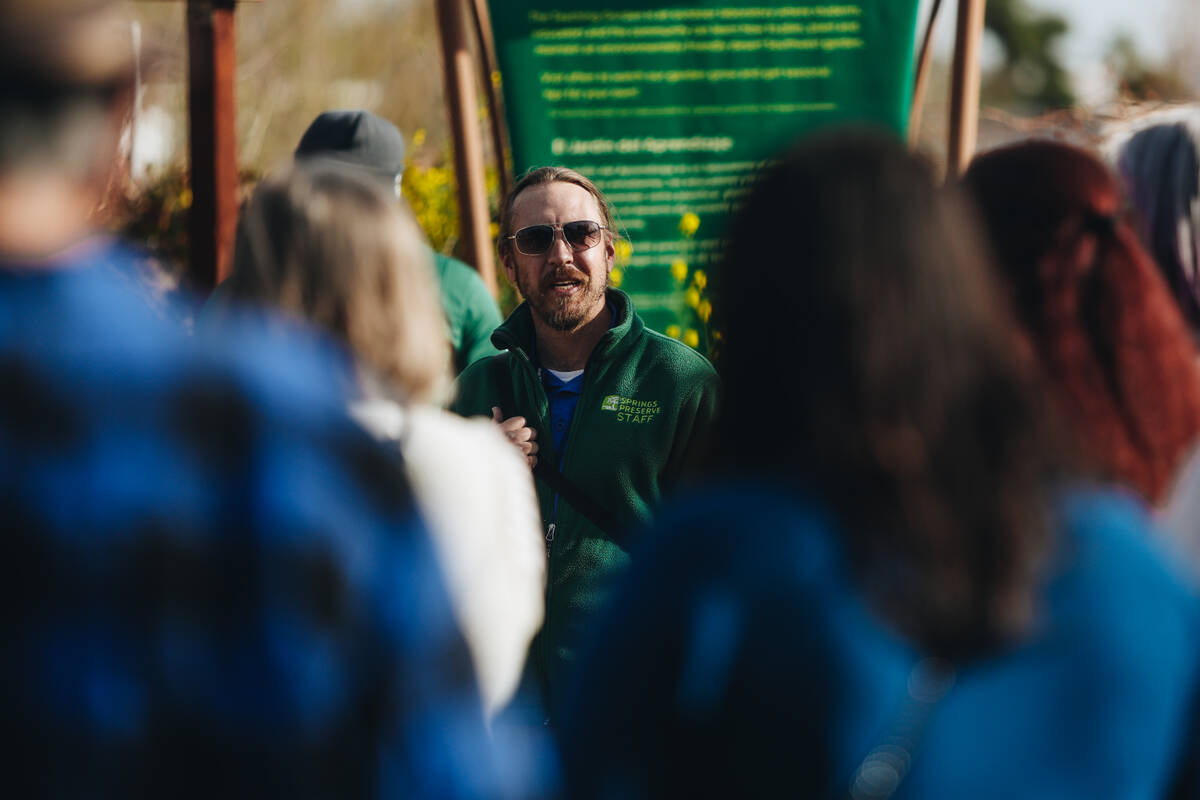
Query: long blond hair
pixel 337 250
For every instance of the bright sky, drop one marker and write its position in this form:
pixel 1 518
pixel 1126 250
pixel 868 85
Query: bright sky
pixel 1093 25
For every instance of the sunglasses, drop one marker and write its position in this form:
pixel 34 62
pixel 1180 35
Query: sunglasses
pixel 537 239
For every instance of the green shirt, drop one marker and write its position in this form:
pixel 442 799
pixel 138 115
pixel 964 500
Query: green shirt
pixel 471 311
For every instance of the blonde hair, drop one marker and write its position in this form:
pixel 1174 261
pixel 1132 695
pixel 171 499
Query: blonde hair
pixel 336 250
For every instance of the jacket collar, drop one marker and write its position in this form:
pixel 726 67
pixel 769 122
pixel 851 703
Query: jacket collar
pixel 517 332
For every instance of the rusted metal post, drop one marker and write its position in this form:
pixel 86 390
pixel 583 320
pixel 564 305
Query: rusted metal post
pixel 212 127
pixel 473 217
pixel 490 72
pixel 964 89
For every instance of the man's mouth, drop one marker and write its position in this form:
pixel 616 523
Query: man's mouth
pixel 564 285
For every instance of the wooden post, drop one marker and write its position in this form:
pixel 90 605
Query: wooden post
pixel 964 89
pixel 921 79
pixel 212 115
pixel 473 217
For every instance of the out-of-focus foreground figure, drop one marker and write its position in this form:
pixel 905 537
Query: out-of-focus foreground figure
pixel 1109 337
pixel 214 584
pixel 900 593
pixel 332 247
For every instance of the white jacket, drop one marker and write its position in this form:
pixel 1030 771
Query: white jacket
pixel 476 493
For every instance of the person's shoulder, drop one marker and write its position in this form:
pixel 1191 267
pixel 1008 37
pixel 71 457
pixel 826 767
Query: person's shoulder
pixel 483 371
pixel 278 361
pixel 473 446
pixel 476 383
pixel 1105 520
pixel 675 356
pixel 459 276
pixel 1107 546
pixel 711 520
pixel 450 431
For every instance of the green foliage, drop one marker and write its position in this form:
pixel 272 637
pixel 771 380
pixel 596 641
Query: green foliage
pixel 156 216
pixel 1031 79
pixel 697 328
pixel 1140 81
pixel 431 192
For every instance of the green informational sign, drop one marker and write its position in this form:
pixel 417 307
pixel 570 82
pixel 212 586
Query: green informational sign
pixel 672 110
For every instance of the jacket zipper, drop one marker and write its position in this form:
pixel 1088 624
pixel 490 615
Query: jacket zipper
pixel 543 648
pixel 552 527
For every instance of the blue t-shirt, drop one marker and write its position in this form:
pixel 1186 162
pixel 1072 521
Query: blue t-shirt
pixel 563 397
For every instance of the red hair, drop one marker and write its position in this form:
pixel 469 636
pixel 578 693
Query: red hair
pixel 1109 335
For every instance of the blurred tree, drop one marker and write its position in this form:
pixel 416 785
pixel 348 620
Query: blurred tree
pixel 1031 79
pixel 300 57
pixel 1137 79
pixel 297 58
pixel 1183 45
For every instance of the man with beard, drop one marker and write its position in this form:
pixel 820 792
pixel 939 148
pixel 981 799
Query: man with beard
pixel 609 413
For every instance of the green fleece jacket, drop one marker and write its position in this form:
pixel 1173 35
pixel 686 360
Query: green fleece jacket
pixel 647 406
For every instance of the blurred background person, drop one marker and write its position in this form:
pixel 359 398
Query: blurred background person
pixel 372 147
pixel 1111 340
pixel 1158 161
pixel 898 593
pixel 333 248
pixel 214 583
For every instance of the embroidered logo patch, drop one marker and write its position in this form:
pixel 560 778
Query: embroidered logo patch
pixel 629 409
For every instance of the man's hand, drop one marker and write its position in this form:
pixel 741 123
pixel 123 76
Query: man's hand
pixel 519 434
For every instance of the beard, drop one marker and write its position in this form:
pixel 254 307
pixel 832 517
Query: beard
pixel 563 313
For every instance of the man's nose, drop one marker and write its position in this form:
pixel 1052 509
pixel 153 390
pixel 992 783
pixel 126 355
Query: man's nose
pixel 560 250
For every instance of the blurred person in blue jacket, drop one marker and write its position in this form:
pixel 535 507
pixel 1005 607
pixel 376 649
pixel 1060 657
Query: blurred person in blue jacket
pixel 902 591
pixel 214 584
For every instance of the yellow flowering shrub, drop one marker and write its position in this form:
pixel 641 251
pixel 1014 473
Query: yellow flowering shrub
pixel 624 250
pixel 431 192
pixel 696 301
pixel 689 223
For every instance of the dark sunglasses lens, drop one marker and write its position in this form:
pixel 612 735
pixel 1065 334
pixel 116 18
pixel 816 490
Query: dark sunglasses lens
pixel 582 234
pixel 535 239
